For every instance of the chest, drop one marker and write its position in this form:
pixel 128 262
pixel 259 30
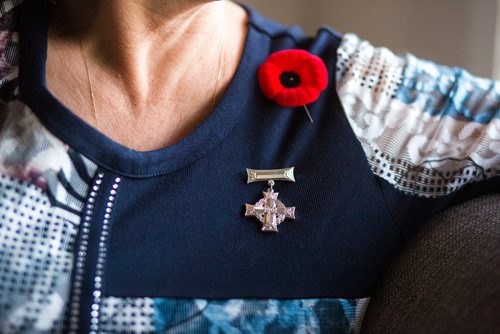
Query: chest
pixel 192 222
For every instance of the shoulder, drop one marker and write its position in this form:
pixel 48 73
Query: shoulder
pixel 427 129
pixel 8 49
pixel 325 38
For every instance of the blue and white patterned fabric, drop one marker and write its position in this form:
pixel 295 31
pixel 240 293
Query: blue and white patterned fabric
pixel 427 129
pixel 97 238
pixel 164 315
pixel 43 186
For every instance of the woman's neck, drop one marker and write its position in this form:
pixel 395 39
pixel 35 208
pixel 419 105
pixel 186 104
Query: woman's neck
pixel 156 67
pixel 133 39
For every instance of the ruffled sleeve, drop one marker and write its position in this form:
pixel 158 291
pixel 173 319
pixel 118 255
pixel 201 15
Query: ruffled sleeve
pixel 9 50
pixel 430 133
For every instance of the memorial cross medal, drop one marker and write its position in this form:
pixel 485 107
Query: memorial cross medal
pixel 270 211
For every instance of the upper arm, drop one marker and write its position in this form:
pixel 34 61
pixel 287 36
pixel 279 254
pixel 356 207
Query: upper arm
pixel 427 130
pixel 9 50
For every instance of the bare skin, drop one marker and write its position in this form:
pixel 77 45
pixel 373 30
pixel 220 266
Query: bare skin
pixel 153 64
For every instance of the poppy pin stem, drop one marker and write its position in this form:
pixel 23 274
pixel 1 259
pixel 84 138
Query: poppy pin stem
pixel 308 113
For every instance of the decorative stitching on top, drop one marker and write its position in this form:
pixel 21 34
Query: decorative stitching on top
pixel 101 259
pixel 74 306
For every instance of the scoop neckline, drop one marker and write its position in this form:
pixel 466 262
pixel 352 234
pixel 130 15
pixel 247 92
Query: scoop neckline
pixel 84 138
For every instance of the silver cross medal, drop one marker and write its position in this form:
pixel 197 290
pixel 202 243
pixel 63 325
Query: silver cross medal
pixel 270 210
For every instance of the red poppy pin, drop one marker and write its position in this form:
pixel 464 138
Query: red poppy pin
pixel 293 78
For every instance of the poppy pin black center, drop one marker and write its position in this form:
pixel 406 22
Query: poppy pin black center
pixel 289 79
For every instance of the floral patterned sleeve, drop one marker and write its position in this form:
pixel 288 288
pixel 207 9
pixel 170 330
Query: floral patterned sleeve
pixel 431 133
pixel 8 51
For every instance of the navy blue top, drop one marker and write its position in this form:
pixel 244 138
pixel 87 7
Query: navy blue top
pixel 181 208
